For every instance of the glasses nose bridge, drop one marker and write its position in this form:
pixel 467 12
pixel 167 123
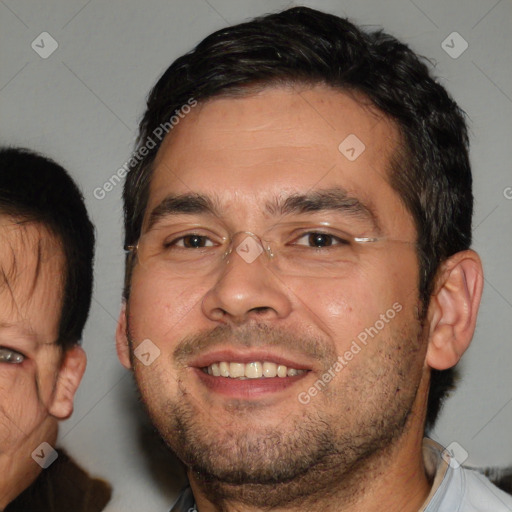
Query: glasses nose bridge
pixel 248 246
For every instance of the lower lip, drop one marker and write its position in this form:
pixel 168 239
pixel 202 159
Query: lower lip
pixel 247 388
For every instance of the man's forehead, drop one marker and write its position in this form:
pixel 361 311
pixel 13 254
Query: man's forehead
pixel 317 118
pixel 280 128
pixel 285 104
pixel 279 142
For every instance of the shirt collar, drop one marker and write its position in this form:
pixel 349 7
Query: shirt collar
pixel 436 466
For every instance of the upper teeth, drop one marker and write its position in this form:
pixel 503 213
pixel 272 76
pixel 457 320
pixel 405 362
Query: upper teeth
pixel 254 370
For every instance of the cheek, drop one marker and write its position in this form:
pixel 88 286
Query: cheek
pixel 343 308
pixel 159 308
pixel 331 305
pixel 22 407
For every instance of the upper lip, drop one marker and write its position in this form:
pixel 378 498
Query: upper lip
pixel 248 356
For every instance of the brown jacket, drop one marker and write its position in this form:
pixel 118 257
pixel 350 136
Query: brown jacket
pixel 63 487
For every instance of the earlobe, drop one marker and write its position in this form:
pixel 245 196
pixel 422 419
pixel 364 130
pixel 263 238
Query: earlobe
pixel 70 374
pixel 122 345
pixel 453 309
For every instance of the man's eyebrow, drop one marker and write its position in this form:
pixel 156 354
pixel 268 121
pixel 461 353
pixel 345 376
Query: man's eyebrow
pixel 182 204
pixel 325 200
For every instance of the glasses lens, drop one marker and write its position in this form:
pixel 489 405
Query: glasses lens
pixel 180 252
pixel 302 250
pixel 291 249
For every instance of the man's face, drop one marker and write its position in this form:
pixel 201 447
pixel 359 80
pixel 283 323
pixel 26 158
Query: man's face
pixel 246 155
pixel 31 265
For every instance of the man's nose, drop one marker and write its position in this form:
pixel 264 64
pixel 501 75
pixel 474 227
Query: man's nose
pixel 247 287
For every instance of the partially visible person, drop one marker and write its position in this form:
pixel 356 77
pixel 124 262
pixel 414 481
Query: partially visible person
pixel 46 271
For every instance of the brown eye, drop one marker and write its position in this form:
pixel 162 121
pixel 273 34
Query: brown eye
pixel 319 240
pixel 194 241
pixel 191 241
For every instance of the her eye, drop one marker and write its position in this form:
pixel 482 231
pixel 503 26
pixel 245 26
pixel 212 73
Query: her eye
pixel 10 356
pixel 319 240
pixel 191 241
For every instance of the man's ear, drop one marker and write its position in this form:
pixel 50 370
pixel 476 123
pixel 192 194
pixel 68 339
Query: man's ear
pixel 453 309
pixel 122 345
pixel 70 374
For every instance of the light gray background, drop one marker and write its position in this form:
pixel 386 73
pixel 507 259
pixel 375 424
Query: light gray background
pixel 81 106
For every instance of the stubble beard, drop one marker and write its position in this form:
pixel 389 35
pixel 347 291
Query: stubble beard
pixel 314 452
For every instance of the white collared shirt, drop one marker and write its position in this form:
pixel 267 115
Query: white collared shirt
pixel 459 489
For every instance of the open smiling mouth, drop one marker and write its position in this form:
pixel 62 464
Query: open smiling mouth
pixel 252 370
pixel 243 375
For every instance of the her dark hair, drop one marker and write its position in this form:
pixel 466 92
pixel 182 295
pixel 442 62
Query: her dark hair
pixel 34 188
pixel 430 169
